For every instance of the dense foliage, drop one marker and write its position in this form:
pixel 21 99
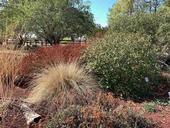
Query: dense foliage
pixel 147 18
pixel 163 32
pixel 130 7
pixel 49 20
pixel 156 26
pixel 139 23
pixel 122 63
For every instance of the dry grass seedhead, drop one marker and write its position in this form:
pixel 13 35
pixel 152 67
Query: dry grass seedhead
pixel 60 78
pixel 9 69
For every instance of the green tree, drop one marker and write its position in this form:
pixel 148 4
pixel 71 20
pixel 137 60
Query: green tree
pixel 66 19
pixel 15 16
pixel 153 5
pixel 122 7
pixel 155 25
pixel 167 3
pixel 50 20
pixel 166 7
pixel 129 7
pixel 142 23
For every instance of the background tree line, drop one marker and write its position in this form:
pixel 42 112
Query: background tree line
pixel 147 17
pixel 50 20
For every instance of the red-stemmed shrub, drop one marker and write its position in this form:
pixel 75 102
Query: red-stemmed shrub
pixel 51 55
pixel 95 114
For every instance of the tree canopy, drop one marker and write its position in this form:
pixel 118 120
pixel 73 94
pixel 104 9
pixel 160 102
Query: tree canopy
pixel 49 20
pixel 129 7
pixel 147 17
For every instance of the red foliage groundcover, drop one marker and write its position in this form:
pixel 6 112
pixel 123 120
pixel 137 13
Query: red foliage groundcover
pixel 51 55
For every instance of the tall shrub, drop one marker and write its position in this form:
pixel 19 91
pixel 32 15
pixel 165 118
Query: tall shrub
pixel 124 63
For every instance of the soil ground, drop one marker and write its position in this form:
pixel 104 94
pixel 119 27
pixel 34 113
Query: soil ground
pixel 15 119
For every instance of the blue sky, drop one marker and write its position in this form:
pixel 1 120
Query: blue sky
pixel 100 10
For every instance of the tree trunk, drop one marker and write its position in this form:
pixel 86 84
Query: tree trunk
pixel 52 40
pixel 21 42
pixel 150 7
pixel 48 41
pixel 72 38
pixel 57 39
pixel 155 5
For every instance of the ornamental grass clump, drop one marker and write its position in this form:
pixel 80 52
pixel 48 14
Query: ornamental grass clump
pixel 9 70
pixel 63 77
pixel 45 56
pixel 124 63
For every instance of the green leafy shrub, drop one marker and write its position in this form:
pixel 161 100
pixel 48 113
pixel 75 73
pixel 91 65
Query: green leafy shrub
pixel 122 62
